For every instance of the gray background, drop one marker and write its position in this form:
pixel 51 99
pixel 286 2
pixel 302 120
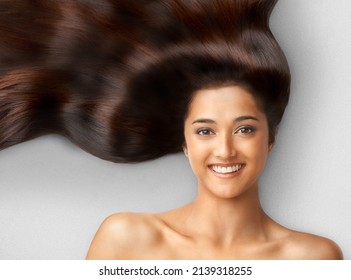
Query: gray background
pixel 53 196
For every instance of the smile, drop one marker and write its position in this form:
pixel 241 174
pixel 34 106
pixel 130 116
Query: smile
pixel 226 170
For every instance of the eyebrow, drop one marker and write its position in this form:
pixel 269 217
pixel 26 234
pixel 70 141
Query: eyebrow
pixel 238 119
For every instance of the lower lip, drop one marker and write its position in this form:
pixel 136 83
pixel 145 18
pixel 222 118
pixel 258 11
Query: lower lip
pixel 227 175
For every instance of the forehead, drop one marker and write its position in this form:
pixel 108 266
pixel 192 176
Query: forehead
pixel 231 100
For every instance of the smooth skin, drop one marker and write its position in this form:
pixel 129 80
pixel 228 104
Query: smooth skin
pixel 227 144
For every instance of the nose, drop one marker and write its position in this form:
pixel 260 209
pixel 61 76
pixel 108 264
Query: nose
pixel 225 146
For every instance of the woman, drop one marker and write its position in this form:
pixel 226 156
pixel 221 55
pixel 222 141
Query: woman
pixel 132 80
pixel 227 143
pixel 232 92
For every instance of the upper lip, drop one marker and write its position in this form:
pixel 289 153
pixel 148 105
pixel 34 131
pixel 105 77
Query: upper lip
pixel 225 164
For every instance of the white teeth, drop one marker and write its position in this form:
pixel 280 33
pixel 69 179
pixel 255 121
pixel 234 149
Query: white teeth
pixel 226 170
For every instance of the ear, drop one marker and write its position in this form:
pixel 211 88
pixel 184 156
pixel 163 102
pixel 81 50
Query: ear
pixel 185 149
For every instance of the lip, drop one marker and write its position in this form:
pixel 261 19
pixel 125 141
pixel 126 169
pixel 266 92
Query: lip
pixel 227 175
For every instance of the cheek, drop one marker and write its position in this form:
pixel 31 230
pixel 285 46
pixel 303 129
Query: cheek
pixel 197 154
pixel 256 149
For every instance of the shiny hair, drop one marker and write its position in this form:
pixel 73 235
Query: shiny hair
pixel 116 77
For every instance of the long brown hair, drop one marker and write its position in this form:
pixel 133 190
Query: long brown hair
pixel 116 77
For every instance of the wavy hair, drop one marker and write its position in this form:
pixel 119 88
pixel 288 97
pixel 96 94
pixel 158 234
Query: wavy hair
pixel 116 76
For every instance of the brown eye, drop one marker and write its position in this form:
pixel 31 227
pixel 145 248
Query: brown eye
pixel 204 131
pixel 246 130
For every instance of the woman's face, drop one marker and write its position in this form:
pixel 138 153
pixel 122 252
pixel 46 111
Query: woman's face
pixel 226 140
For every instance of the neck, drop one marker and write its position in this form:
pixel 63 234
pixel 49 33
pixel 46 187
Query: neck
pixel 227 220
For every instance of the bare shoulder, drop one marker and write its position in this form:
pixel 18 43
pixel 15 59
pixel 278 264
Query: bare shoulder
pixel 125 236
pixel 307 246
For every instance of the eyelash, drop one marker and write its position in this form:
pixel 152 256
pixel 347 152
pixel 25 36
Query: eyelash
pixel 241 130
pixel 248 129
pixel 201 131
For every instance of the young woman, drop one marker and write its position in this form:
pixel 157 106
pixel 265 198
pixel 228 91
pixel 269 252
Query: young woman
pixel 132 80
pixel 229 88
pixel 227 143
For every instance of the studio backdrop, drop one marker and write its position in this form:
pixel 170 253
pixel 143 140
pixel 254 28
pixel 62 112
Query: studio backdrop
pixel 53 195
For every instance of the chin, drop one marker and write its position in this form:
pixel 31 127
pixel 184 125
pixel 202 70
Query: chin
pixel 227 192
